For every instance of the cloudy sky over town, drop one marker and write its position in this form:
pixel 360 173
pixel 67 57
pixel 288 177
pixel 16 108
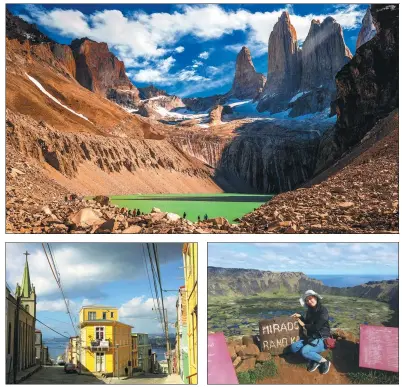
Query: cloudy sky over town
pixel 111 274
pixel 309 258
pixel 187 49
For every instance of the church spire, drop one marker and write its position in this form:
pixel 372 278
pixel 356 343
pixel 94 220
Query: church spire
pixel 26 287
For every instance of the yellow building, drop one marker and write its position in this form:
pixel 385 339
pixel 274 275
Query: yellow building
pixel 190 260
pixel 104 341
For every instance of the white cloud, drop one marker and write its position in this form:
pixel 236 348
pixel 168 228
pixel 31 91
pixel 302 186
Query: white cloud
pixel 139 312
pixel 179 49
pixel 153 35
pixel 204 55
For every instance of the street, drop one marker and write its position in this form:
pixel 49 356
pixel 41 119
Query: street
pixel 56 375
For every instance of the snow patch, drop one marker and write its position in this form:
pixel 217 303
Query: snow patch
pixel 181 114
pixel 203 125
pixel 44 91
pixel 298 95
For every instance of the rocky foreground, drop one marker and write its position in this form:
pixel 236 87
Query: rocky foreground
pixel 359 198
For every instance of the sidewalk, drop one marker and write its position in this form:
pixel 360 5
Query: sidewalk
pixel 24 374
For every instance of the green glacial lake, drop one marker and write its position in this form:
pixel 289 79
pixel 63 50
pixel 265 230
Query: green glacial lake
pixel 229 206
pixel 240 315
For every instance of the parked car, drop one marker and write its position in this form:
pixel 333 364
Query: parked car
pixel 70 368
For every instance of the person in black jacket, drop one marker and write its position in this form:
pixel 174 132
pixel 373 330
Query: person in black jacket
pixel 316 324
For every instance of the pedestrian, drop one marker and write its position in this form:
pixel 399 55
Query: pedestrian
pixel 199 219
pixel 184 215
pixel 316 324
pixel 126 371
pixel 138 212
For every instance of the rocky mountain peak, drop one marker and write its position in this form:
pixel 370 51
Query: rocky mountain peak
pixel 284 65
pixel 367 30
pixel 324 53
pixel 17 28
pixel 100 71
pixel 247 82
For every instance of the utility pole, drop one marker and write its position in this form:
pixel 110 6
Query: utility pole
pixel 168 343
pixel 16 339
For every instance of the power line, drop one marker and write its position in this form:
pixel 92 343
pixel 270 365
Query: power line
pixel 36 319
pixel 56 275
pixel 149 280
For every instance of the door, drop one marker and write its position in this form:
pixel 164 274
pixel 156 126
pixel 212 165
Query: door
pixel 100 362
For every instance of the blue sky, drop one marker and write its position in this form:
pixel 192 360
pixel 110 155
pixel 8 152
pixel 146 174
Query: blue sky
pixel 111 274
pixel 309 258
pixel 186 49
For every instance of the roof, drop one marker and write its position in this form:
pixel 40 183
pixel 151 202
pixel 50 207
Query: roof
pixel 98 306
pixel 26 287
pixel 103 322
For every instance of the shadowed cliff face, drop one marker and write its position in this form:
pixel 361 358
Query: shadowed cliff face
pixel 367 87
pixel 98 69
pixel 246 282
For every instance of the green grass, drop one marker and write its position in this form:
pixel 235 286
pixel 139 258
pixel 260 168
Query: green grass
pixel 229 206
pixel 240 315
pixel 374 377
pixel 260 372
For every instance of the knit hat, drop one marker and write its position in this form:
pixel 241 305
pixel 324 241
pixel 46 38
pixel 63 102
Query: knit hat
pixel 308 293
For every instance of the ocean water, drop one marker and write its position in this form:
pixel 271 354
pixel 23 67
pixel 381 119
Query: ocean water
pixel 343 281
pixel 56 347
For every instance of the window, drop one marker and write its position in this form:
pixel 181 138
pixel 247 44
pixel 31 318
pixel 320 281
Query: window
pixel 104 316
pixel 111 314
pixel 99 333
pixel 91 315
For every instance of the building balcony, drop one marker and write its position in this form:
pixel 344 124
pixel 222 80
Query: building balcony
pixel 97 345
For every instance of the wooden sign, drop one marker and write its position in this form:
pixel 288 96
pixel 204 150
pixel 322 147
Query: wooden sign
pixel 220 367
pixel 277 333
pixel 378 348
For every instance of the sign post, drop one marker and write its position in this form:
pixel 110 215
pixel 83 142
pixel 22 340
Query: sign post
pixel 378 348
pixel 220 367
pixel 277 333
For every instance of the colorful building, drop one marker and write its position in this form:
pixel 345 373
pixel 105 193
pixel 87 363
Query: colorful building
pixel 20 326
pixel 144 352
pixel 190 260
pixel 134 350
pixel 105 343
pixel 72 350
pixel 181 336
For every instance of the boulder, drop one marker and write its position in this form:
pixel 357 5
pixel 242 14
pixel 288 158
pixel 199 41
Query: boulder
pixel 264 356
pixel 236 361
pixel 109 226
pixel 246 340
pixel 155 210
pixel 232 351
pixel 171 217
pixel 102 200
pixel 133 229
pixel 250 350
pixel 246 364
pixel 85 217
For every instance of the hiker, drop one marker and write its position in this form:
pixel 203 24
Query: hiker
pixel 199 219
pixel 316 324
pixel 138 212
pixel 205 217
pixel 184 215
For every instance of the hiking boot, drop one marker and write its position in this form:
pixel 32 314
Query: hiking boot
pixel 312 366
pixel 324 367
